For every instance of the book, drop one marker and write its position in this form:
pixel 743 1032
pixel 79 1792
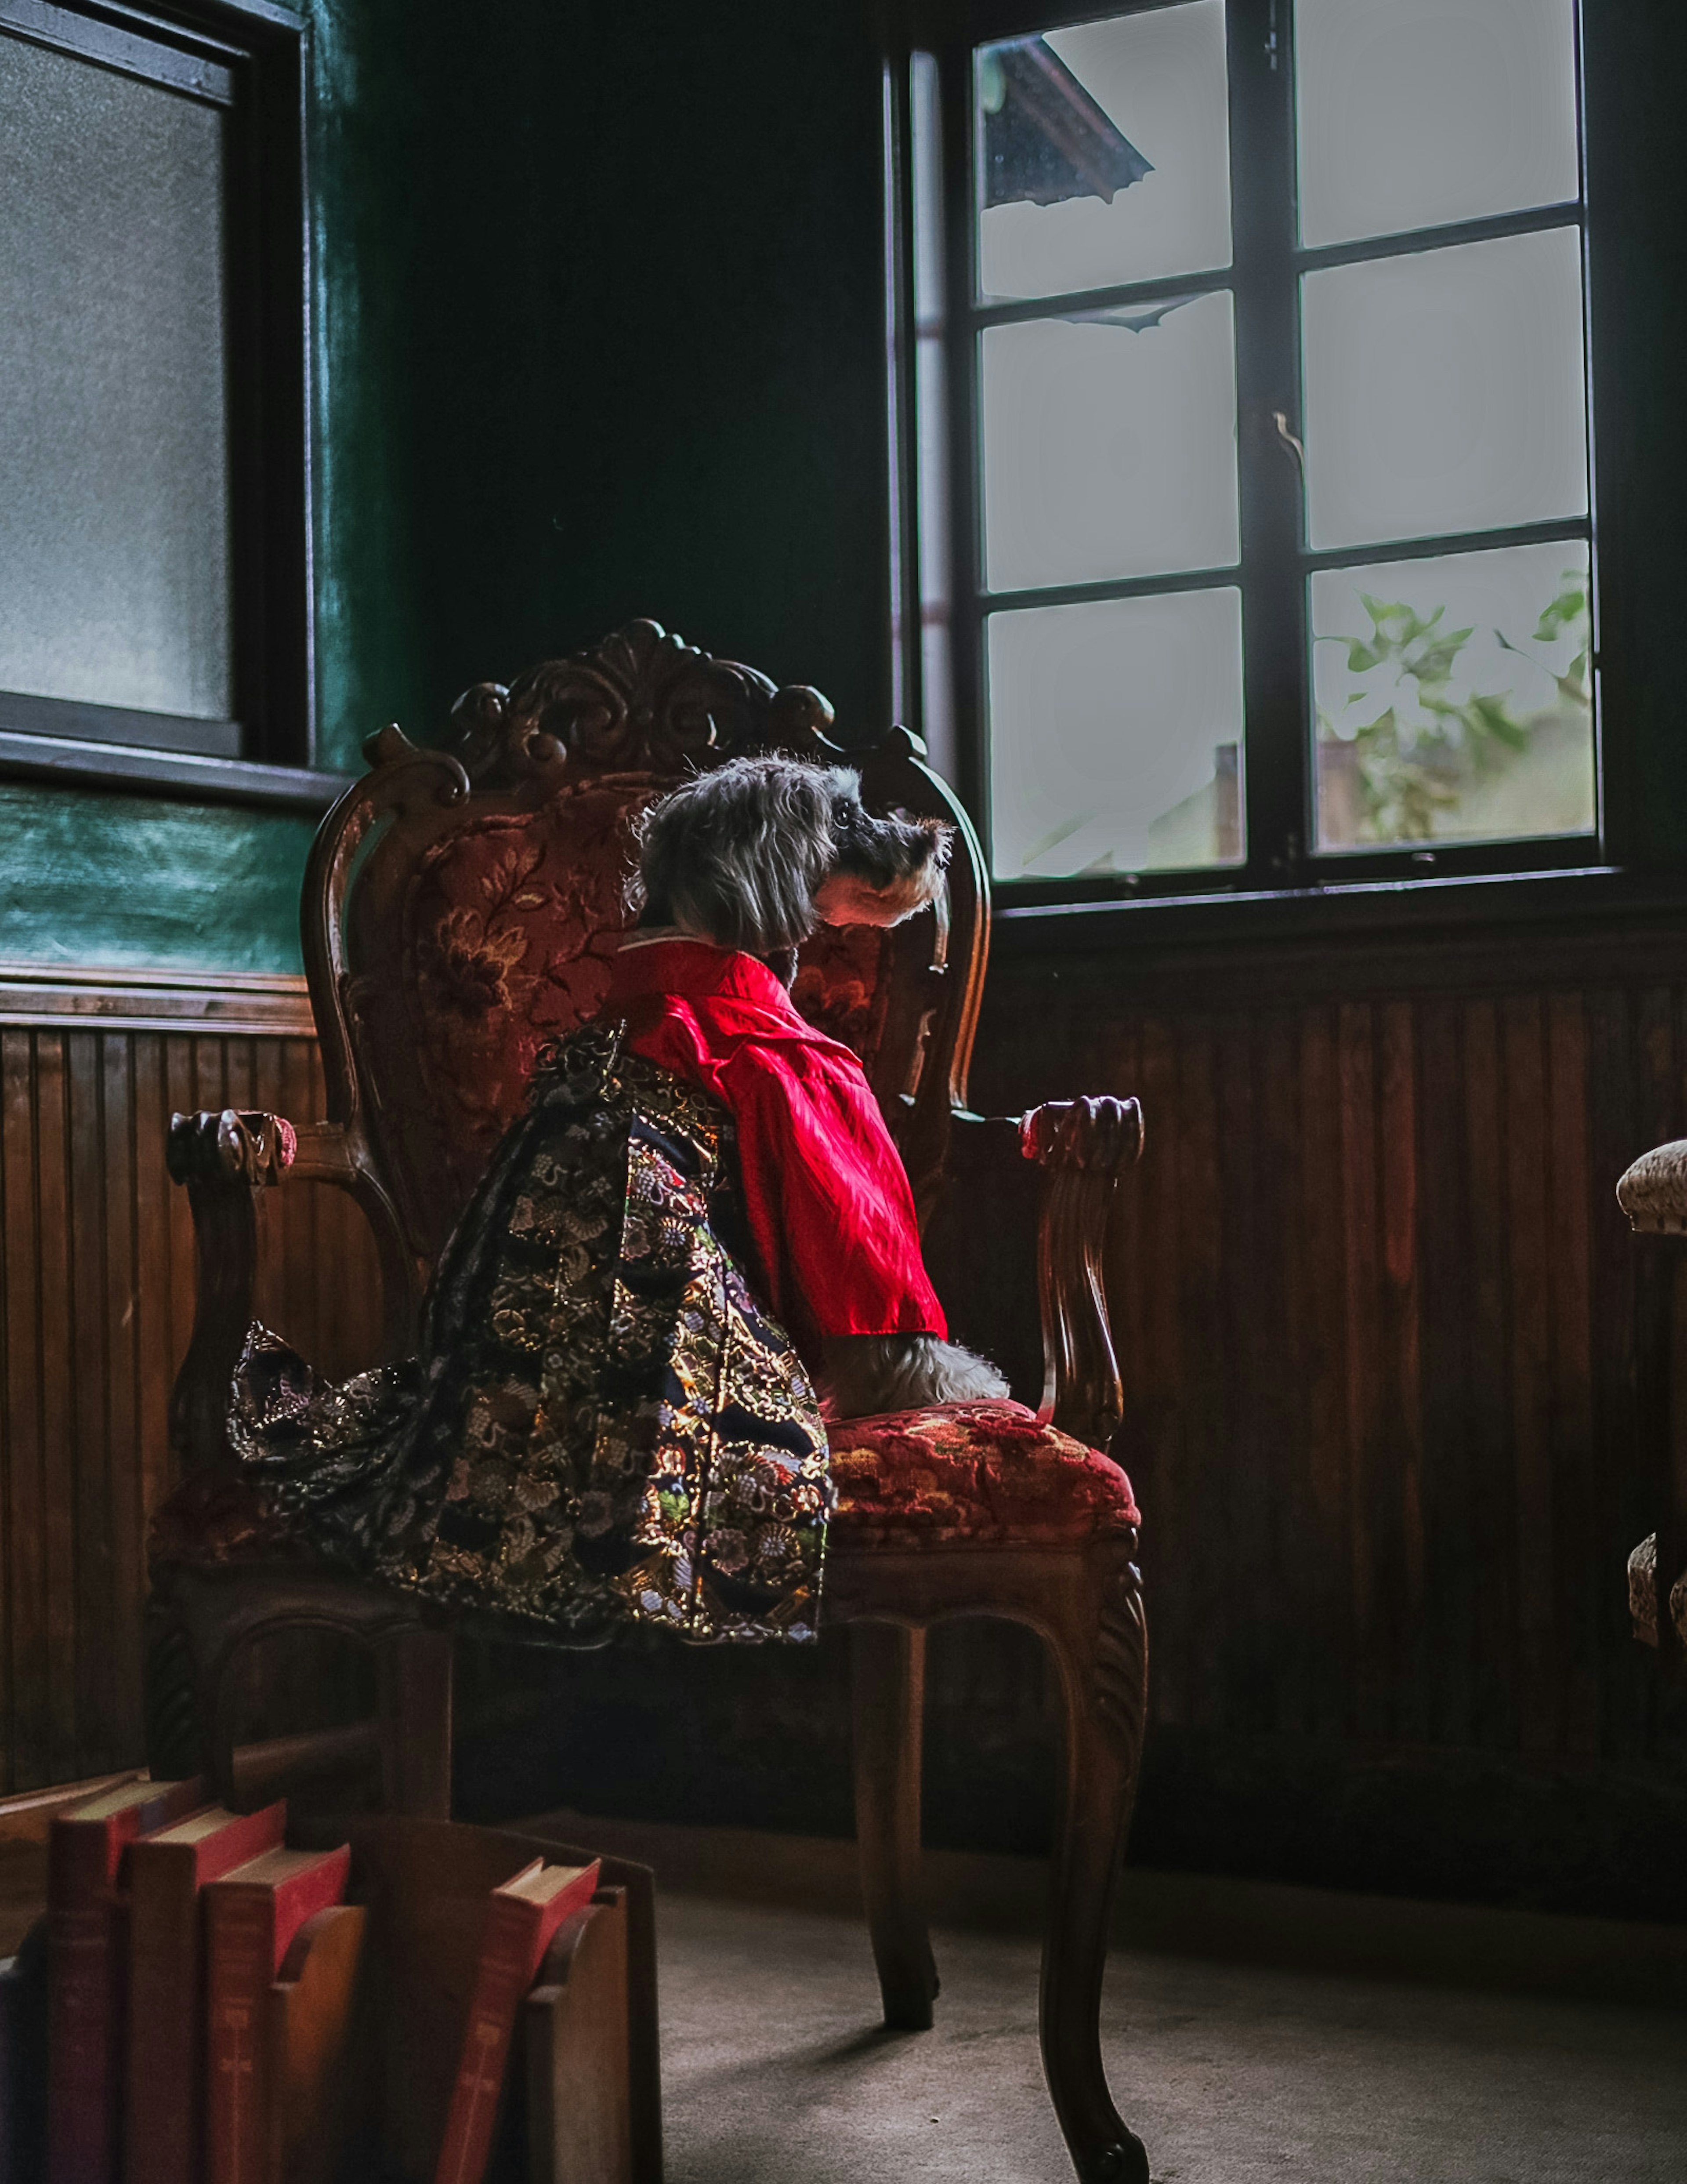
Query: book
pixel 165 2138
pixel 316 2068
pixel 85 1969
pixel 521 1917
pixel 27 1817
pixel 579 2077
pixel 251 1917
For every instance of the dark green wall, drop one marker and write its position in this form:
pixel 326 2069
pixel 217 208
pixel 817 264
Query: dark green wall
pixel 598 333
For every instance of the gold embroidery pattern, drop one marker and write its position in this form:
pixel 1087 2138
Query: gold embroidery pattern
pixel 603 1427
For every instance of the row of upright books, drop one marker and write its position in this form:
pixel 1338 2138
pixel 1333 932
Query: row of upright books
pixel 205 1985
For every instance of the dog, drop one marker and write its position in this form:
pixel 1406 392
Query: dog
pixel 755 855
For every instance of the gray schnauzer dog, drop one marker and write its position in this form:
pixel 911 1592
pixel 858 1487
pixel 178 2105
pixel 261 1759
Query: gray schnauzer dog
pixel 756 855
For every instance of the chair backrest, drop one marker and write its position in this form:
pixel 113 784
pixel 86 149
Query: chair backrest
pixel 462 906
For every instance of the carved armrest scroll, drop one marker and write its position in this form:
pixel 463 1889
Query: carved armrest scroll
pixel 238 1145
pixel 222 1158
pixel 1084 1147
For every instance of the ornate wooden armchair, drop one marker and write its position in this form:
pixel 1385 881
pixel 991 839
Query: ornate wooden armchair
pixel 460 908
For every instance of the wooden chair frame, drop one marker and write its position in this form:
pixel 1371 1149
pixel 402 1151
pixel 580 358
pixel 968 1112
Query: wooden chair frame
pixel 641 703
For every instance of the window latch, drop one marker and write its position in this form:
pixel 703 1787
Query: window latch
pixel 1287 442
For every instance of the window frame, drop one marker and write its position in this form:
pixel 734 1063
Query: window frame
pixel 1276 564
pixel 248 57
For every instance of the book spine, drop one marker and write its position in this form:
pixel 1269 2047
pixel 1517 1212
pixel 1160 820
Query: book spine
pixel 165 2017
pixel 82 2007
pixel 505 1974
pixel 240 1958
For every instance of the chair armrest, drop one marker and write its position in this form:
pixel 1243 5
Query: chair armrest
pixel 1084 1147
pixel 1652 1190
pixel 221 1158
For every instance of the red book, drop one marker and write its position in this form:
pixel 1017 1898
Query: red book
pixel 165 2137
pixel 251 1917
pixel 85 1968
pixel 521 1917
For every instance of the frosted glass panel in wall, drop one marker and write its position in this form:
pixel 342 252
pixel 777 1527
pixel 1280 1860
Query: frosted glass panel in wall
pixel 1414 113
pixel 1116 731
pixel 1446 391
pixel 1103 152
pixel 1109 444
pixel 114 578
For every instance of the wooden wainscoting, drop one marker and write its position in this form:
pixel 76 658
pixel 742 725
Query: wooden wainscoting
pixel 97 1277
pixel 1392 1358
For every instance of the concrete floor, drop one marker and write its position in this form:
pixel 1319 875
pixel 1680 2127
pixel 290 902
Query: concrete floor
pixel 777 2072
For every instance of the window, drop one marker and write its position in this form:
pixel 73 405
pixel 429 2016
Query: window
pixel 1245 505
pixel 153 562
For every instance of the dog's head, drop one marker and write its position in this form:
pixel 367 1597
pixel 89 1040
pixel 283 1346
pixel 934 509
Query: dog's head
pixel 756 853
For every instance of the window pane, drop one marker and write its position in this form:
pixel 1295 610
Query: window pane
pixel 1454 698
pixel 1109 444
pixel 1445 391
pixel 1416 112
pixel 1114 731
pixel 1103 152
pixel 114 470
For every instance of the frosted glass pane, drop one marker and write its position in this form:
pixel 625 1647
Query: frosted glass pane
pixel 1454 698
pixel 1416 112
pixel 1114 735
pixel 1110 445
pixel 1445 391
pixel 114 462
pixel 1103 152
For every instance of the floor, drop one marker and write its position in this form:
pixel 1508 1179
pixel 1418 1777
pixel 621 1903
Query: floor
pixel 776 2071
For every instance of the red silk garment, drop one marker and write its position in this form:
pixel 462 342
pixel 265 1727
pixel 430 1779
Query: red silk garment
pixel 825 1192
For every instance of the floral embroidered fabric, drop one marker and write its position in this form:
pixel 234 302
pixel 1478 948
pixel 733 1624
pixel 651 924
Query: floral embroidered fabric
pixel 971 1475
pixel 602 1428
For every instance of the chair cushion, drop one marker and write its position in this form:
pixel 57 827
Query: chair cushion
pixel 971 1475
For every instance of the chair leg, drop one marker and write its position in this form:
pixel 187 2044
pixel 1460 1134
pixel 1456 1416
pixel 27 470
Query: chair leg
pixel 1102 1655
pixel 414 1673
pixel 888 1676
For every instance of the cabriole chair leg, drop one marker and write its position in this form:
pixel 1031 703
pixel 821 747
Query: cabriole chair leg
pixel 1100 1647
pixel 888 1677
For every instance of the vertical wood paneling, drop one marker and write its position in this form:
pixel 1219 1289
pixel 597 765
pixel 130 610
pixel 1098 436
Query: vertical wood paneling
pixel 1528 1239
pixel 124 1440
pixel 1324 1562
pixel 58 1477
pixel 1393 1357
pixel 96 1279
pixel 25 1528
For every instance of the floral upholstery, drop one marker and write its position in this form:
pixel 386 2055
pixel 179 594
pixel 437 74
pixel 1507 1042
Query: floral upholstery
pixel 840 986
pixel 510 924
pixel 971 1475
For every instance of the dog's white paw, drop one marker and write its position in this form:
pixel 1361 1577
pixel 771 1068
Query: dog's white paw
pixel 865 1374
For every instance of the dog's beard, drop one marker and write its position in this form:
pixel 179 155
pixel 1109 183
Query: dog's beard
pixel 862 1374
pixel 852 899
pixel 887 869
